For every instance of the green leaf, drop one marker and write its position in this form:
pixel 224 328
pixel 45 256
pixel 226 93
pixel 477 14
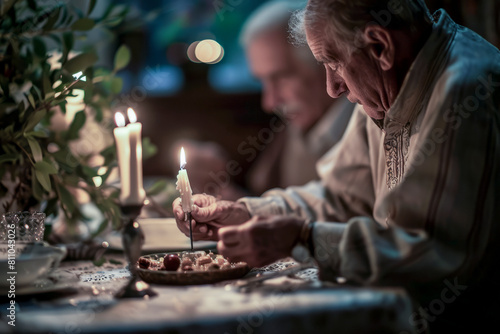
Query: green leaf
pixel 44 180
pixel 35 91
pixel 157 188
pixel 52 19
pixel 34 120
pixel 83 24
pixel 108 10
pixel 66 160
pixel 47 87
pixel 103 225
pixel 99 262
pixel 45 167
pixel 148 148
pixel 91 6
pixel 76 125
pixel 36 187
pixel 116 85
pixel 9 157
pixel 35 149
pixel 67 200
pixel 68 40
pixel 51 208
pixel 80 62
pixel 32 100
pixel 39 47
pixel 87 173
pixel 122 57
pixel 39 134
pixel 81 85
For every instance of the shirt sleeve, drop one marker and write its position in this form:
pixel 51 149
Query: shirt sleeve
pixel 345 188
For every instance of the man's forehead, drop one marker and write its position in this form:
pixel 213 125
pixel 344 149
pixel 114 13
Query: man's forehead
pixel 317 45
pixel 267 58
pixel 324 49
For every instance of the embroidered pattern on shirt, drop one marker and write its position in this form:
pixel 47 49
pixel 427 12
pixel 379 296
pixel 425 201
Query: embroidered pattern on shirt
pixel 396 153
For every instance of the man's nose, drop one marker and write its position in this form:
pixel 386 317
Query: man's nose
pixel 270 97
pixel 335 85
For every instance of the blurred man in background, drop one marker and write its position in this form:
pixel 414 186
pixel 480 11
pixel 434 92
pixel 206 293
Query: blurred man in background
pixel 307 124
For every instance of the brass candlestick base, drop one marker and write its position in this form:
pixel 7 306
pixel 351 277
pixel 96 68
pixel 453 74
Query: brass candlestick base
pixel 133 239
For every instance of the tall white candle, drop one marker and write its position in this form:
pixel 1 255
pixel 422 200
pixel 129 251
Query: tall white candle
pixel 121 134
pixel 137 193
pixel 183 185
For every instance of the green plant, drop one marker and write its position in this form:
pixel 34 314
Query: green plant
pixel 37 162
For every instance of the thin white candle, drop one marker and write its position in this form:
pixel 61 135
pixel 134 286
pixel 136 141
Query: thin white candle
pixel 183 185
pixel 137 193
pixel 121 134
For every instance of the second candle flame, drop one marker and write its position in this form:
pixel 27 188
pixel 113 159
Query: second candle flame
pixel 131 115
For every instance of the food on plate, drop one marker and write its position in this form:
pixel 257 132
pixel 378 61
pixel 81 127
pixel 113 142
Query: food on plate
pixel 171 262
pixel 187 261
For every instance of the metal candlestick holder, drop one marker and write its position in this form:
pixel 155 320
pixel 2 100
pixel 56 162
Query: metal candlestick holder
pixel 132 240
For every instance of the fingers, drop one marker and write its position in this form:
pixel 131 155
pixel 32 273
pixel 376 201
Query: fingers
pixel 257 242
pixel 199 200
pixel 200 231
pixel 233 245
pixel 203 200
pixel 230 236
pixel 206 214
pixel 229 243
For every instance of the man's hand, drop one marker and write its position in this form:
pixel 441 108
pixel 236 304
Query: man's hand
pixel 209 215
pixel 260 241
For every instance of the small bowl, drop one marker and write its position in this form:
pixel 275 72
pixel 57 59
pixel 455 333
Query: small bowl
pixel 30 266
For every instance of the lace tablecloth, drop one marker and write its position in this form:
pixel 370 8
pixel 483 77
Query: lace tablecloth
pixel 80 299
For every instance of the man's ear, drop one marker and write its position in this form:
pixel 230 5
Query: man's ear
pixel 380 45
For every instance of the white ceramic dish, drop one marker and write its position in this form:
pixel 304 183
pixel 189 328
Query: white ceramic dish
pixel 28 267
pixel 161 234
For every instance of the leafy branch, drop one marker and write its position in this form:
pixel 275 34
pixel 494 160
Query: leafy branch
pixel 40 70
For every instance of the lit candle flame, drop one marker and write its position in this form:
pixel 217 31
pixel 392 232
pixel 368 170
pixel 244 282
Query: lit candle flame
pixel 183 158
pixel 119 119
pixel 131 115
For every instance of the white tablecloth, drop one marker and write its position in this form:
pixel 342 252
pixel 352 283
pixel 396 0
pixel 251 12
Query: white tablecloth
pixel 280 305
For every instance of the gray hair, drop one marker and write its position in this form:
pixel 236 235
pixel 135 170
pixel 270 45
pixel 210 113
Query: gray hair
pixel 272 15
pixel 343 21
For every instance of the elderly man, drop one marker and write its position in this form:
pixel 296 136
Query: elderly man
pixel 293 87
pixel 409 196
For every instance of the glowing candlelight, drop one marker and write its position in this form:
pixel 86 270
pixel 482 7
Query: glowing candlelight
pixel 137 193
pixel 183 185
pixel 122 141
pixel 129 151
pixel 183 158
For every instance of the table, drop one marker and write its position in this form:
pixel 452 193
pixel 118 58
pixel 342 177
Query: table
pixel 299 304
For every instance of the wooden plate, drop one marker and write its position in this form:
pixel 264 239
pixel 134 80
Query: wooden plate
pixel 237 270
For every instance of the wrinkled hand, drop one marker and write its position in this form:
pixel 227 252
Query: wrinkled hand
pixel 209 215
pixel 261 240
